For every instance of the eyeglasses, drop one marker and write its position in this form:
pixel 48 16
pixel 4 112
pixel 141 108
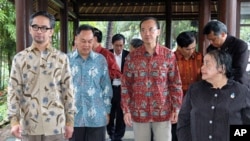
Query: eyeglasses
pixel 42 28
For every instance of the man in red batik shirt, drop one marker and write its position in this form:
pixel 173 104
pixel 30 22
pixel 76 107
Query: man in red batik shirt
pixel 151 86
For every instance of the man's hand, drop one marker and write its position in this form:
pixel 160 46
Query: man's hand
pixel 68 132
pixel 16 131
pixel 127 119
pixel 108 118
pixel 174 118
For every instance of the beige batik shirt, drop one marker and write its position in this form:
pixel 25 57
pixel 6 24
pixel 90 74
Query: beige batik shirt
pixel 40 92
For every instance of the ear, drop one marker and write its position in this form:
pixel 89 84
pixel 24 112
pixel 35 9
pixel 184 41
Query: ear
pixel 223 34
pixel 222 69
pixel 30 29
pixel 158 32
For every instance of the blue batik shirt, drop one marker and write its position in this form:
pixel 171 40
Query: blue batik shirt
pixel 93 90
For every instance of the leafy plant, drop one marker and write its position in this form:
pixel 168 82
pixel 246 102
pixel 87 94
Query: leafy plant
pixel 3 106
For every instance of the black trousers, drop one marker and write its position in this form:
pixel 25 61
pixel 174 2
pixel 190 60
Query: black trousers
pixel 174 136
pixel 88 134
pixel 116 127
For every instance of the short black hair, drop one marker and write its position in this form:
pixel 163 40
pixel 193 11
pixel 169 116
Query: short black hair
pixel 223 59
pixel 184 39
pixel 136 42
pixel 45 14
pixel 84 27
pixel 118 37
pixel 98 34
pixel 150 18
pixel 216 26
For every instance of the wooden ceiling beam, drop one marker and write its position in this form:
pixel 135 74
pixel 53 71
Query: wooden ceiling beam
pixel 58 3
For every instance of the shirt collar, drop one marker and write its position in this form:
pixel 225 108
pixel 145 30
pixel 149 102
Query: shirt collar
pixel 98 49
pixel 76 54
pixel 157 49
pixel 120 55
pixel 179 56
pixel 48 47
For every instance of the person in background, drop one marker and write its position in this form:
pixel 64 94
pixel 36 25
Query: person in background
pixel 40 91
pixel 151 86
pixel 213 104
pixel 189 63
pixel 216 32
pixel 135 43
pixel 93 90
pixel 114 70
pixel 116 127
pixel 188 59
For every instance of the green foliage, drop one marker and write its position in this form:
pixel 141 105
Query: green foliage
pixel 245 30
pixel 7 50
pixel 7 39
pixel 3 105
pixel 179 26
pixel 130 29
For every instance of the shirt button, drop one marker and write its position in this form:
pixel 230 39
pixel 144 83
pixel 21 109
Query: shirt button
pixel 210 121
pixel 212 107
pixel 210 137
pixel 215 95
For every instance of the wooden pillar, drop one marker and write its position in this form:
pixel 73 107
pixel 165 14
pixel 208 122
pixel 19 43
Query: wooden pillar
pixel 237 34
pixel 42 5
pixel 204 17
pixel 76 21
pixel 227 14
pixel 75 26
pixel 168 11
pixel 23 12
pixel 64 27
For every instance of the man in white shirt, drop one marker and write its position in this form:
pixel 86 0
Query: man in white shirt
pixel 116 126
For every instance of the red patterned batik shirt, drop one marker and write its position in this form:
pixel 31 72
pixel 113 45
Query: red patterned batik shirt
pixel 151 85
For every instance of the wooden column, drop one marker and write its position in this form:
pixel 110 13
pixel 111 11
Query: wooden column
pixel 75 26
pixel 76 21
pixel 42 5
pixel 64 27
pixel 168 11
pixel 237 34
pixel 204 17
pixel 227 10
pixel 23 12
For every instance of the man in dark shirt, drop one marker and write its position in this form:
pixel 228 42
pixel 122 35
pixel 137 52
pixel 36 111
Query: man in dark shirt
pixel 116 127
pixel 216 33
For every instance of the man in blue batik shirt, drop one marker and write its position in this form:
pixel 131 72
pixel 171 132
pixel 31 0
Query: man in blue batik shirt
pixel 93 90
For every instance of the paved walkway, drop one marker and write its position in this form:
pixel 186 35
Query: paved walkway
pixel 5 135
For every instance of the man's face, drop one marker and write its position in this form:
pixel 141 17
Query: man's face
pixel 149 32
pixel 40 30
pixel 216 40
pixel 118 46
pixel 189 50
pixel 84 42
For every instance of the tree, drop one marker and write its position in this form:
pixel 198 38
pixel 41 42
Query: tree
pixel 7 39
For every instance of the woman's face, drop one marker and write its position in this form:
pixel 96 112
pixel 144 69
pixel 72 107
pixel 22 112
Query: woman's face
pixel 209 69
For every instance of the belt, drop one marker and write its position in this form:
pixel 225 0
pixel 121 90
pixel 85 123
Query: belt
pixel 116 85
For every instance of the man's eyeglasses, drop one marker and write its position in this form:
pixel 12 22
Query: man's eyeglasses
pixel 42 28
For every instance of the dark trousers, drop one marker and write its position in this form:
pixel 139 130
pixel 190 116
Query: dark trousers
pixel 174 136
pixel 88 134
pixel 116 126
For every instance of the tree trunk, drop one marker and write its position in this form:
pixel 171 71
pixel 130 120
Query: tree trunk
pixel 109 35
